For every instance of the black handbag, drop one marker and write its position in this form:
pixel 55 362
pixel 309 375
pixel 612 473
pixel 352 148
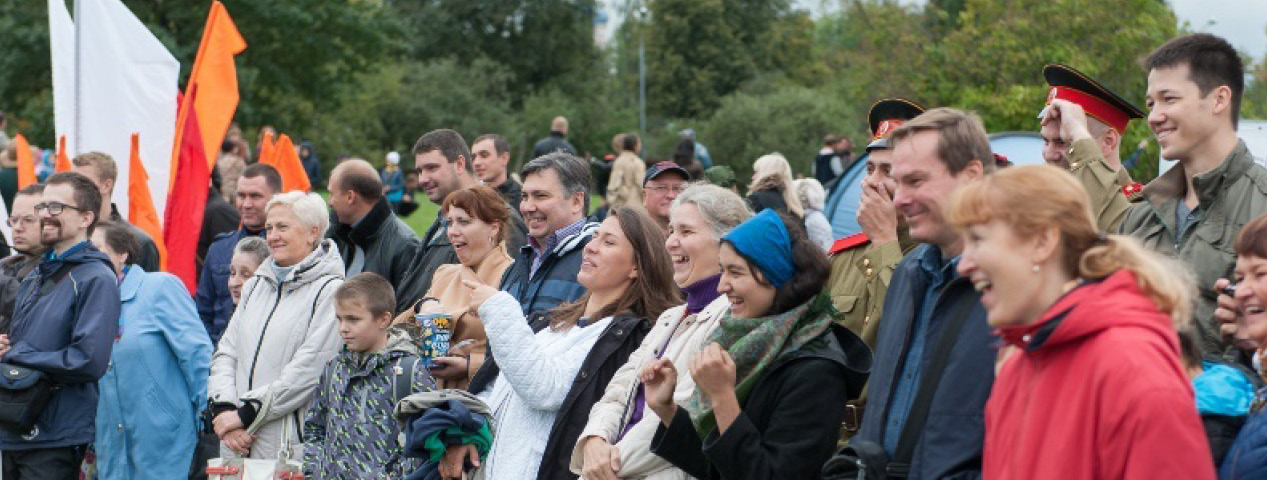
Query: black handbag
pixel 24 393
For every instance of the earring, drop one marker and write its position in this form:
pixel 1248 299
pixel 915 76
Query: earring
pixel 1036 268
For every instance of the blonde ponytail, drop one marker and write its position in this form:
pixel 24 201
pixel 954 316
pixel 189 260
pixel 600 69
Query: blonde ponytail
pixel 1167 282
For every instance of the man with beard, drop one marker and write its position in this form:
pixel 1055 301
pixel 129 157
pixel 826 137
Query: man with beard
pixel 256 187
pixel 1082 128
pixel 26 241
pixel 66 319
pixel 101 169
pixel 862 264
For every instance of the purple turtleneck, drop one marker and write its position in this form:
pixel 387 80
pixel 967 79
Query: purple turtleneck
pixel 698 296
pixel 701 293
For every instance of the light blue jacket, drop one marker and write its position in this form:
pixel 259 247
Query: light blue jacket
pixel 147 412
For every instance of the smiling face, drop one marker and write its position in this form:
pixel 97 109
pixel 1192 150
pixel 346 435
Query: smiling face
pixel 750 295
pixel 1055 150
pixel 436 176
pixel 471 237
pixel 607 263
pixel 546 207
pixel 658 194
pixel 924 185
pixel 71 226
pixel 241 268
pixel 999 264
pixel 692 245
pixel 1251 296
pixel 1180 117
pixel 361 331
pixel 289 240
pixel 489 166
pixel 880 170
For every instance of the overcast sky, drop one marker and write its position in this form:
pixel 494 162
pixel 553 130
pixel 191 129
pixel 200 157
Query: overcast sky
pixel 1241 22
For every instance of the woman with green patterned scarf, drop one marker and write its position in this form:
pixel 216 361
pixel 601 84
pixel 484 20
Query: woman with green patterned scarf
pixel 773 379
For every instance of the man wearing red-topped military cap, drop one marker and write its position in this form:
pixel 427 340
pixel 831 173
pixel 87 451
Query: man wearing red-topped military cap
pixel 1082 128
pixel 862 264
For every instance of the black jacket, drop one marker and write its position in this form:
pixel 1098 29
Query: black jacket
pixel 389 247
pixel 512 191
pixel 553 143
pixel 12 270
pixel 790 421
pixel 623 335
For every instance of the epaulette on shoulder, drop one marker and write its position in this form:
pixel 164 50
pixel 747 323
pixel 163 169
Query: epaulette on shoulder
pixel 1133 191
pixel 853 241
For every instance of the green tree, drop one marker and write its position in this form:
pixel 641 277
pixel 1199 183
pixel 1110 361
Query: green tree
pixel 790 120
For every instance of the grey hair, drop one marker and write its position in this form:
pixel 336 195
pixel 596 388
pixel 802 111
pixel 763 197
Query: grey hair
pixel 254 247
pixel 811 193
pixel 722 208
pixel 308 207
pixel 573 173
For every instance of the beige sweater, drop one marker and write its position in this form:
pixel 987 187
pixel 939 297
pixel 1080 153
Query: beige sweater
pixel 624 187
pixel 680 339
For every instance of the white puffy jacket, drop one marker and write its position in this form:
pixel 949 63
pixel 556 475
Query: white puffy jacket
pixel 679 338
pixel 279 340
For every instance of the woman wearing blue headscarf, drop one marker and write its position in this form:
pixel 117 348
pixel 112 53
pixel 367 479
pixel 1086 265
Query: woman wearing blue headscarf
pixel 772 382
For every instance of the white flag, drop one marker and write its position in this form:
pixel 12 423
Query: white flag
pixel 126 83
pixel 61 36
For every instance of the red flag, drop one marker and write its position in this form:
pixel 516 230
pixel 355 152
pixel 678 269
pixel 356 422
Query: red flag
pixel 186 201
pixel 141 211
pixel 286 160
pixel 63 162
pixel 26 163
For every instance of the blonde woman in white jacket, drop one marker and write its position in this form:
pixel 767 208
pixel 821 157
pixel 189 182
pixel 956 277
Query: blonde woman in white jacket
pixel 616 441
pixel 281 335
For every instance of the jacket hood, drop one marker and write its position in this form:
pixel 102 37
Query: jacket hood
pixel 1223 390
pixel 1080 314
pixel 84 253
pixel 322 262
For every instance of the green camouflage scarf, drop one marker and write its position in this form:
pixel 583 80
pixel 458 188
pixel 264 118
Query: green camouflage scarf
pixel 754 344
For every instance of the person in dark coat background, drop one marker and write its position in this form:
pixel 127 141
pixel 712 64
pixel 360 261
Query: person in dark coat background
pixel 557 141
pixel 772 382
pixel 312 165
pixel 219 217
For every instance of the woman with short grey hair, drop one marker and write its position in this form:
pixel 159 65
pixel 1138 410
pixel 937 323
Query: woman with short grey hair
pixel 812 197
pixel 616 441
pixel 282 334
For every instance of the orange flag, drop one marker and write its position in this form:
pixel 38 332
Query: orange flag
pixel 63 162
pixel 26 163
pixel 216 77
pixel 267 148
pixel 141 211
pixel 286 160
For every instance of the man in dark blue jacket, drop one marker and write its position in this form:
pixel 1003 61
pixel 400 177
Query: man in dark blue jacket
pixel 256 186
pixel 555 200
pixel 933 155
pixel 65 321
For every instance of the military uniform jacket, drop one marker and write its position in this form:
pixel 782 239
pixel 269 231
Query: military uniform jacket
pixel 1105 186
pixel 860 274
pixel 1230 195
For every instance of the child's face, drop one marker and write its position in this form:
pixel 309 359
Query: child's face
pixel 361 332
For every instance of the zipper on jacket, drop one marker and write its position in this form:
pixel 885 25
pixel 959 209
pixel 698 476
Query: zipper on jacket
pixel 250 380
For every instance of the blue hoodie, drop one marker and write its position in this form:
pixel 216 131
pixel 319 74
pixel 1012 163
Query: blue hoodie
pixel 66 330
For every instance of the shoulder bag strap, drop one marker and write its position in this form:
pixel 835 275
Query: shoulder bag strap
pixel 918 413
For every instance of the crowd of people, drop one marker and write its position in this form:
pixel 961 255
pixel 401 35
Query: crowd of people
pixel 995 321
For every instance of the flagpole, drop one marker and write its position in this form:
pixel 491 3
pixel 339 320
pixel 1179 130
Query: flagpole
pixel 78 81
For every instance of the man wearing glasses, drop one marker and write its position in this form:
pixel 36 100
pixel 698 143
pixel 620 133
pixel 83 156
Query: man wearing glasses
pixel 663 183
pixel 64 325
pixel 26 242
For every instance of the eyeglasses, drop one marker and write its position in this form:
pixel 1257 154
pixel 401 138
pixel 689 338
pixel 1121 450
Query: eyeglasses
pixel 23 220
pixel 661 189
pixel 55 208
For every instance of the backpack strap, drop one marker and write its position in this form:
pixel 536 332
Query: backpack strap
pixel 899 465
pixel 404 367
